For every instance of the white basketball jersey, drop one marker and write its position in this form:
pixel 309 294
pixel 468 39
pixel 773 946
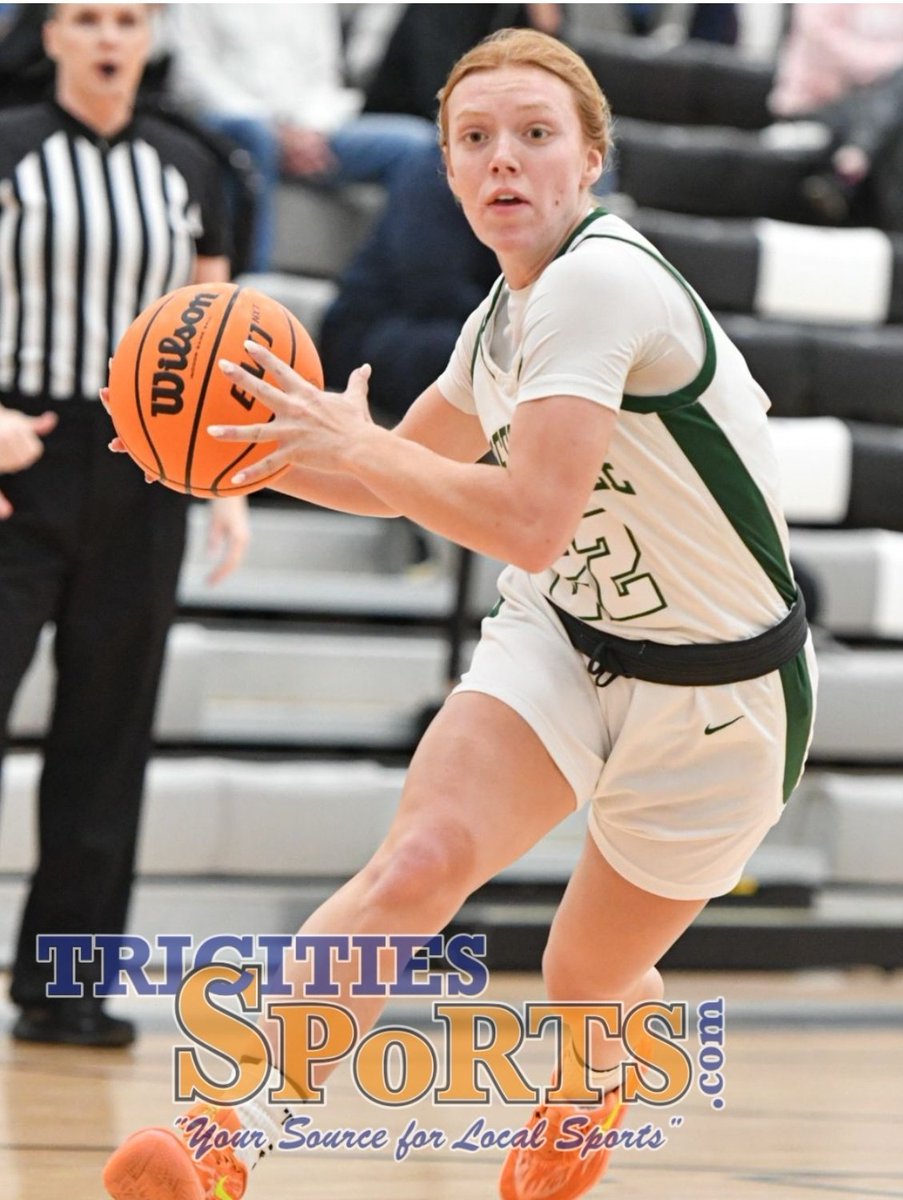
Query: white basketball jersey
pixel 683 539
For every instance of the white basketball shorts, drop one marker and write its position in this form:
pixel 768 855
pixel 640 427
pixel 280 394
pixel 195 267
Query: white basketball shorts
pixel 682 782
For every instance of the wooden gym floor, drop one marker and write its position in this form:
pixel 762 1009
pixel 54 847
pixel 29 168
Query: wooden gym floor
pixel 813 1107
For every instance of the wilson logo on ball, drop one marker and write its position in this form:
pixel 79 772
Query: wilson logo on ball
pixel 169 383
pixel 166 387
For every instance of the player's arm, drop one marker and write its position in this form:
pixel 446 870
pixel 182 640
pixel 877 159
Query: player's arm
pixel 524 514
pixel 430 422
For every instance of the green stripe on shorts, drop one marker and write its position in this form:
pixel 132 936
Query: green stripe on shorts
pixel 799 707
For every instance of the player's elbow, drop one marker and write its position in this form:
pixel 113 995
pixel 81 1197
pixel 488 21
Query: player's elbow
pixel 538 547
pixel 535 560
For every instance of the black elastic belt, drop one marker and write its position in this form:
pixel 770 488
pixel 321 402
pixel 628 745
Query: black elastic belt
pixel 692 665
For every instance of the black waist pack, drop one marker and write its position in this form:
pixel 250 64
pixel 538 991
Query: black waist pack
pixel 692 665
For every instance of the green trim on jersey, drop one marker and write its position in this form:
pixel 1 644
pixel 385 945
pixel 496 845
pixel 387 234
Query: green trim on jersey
pixel 698 435
pixel 694 389
pixel 588 220
pixel 798 702
pixel 710 452
pixel 479 342
pixel 719 466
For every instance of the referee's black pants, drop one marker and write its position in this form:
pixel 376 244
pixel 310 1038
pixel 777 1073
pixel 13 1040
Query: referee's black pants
pixel 94 549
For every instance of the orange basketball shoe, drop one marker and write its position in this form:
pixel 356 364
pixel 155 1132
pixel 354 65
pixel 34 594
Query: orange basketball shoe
pixel 545 1172
pixel 161 1164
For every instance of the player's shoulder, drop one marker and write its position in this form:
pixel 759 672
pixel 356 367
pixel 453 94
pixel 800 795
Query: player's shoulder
pixel 605 258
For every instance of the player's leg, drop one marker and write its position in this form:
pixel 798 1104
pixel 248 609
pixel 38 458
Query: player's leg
pixel 633 929
pixel 604 943
pixel 481 790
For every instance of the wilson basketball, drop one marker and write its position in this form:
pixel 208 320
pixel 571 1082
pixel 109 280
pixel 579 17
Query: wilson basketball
pixel 166 386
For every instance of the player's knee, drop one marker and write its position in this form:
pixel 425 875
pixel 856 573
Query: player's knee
pixel 427 871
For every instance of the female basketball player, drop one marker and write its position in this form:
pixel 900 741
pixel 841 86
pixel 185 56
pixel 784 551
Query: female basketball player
pixel 648 657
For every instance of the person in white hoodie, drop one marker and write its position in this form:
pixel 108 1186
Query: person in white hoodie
pixel 270 76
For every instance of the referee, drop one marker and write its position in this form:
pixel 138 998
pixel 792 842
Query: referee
pixel 102 210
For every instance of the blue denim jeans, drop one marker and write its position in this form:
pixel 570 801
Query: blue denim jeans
pixel 371 148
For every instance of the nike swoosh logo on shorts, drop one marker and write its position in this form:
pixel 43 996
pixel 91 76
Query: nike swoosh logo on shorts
pixel 714 728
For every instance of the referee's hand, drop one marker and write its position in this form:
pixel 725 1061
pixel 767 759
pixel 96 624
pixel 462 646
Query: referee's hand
pixel 21 444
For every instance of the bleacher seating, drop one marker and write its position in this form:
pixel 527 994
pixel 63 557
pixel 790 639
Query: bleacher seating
pixel 293 693
pixel 712 170
pixel 783 271
pixel 693 83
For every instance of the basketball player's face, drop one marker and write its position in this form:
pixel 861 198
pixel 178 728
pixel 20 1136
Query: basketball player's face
pixel 519 164
pixel 99 49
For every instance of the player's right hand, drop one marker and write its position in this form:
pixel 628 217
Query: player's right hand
pixel 116 444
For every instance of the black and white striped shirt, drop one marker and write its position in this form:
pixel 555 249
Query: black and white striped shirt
pixel 91 232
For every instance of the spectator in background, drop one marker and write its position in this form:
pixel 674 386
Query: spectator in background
pixel 270 76
pixel 407 292
pixel 683 22
pixel 841 65
pixel 429 38
pixel 666 24
pixel 85 543
pixel 831 49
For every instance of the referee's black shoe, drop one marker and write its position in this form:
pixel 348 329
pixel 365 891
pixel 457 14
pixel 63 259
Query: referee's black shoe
pixel 72 1022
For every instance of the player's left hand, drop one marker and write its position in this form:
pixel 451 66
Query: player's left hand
pixel 310 427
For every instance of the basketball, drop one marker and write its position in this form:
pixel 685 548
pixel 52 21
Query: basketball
pixel 166 387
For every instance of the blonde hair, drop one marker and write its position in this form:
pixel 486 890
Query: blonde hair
pixel 530 48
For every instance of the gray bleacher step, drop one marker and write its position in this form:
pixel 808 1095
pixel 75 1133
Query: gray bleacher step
pixel 310 819
pixel 218 816
pixel 306 560
pixel 418 594
pixel 299 538
pixel 856 821
pixel 859 574
pixel 275 686
pixel 271 818
pixel 860 706
pixel 318 229
pixel 341 688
